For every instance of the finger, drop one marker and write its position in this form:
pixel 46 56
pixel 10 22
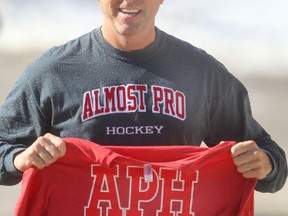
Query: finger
pixel 57 142
pixel 244 168
pixel 255 173
pixel 245 158
pixel 250 174
pixel 251 165
pixel 242 147
pixel 30 157
pixel 42 150
pixel 38 162
pixel 53 151
pixel 52 146
pixel 45 157
pixel 45 147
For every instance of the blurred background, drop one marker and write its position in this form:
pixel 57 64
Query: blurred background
pixel 248 37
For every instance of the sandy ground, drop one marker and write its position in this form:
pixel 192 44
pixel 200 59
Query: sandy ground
pixel 269 104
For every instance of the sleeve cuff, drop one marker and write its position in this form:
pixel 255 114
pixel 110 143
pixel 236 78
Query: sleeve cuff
pixel 9 163
pixel 273 173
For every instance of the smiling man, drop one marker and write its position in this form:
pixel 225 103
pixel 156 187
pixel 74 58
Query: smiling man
pixel 129 83
pixel 129 25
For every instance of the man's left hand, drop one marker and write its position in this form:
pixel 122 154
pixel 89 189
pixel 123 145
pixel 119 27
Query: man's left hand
pixel 251 161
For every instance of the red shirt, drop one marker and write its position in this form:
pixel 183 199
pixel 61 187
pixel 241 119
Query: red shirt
pixel 111 181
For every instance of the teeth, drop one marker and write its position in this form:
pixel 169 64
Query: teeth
pixel 130 11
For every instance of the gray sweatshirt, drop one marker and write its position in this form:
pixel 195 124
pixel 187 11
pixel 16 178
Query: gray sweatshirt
pixel 170 93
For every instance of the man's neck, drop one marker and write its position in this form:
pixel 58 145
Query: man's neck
pixel 129 42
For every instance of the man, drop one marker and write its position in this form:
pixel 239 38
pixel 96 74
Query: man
pixel 129 83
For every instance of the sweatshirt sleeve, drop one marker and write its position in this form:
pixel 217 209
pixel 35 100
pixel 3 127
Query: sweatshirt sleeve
pixel 277 178
pixel 21 122
pixel 232 119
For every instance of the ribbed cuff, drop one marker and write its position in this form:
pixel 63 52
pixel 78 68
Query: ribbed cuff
pixel 273 173
pixel 9 163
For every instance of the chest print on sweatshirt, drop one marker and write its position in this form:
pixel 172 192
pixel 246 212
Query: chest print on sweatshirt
pixel 133 98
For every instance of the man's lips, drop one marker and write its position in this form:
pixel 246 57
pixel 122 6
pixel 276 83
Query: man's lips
pixel 129 11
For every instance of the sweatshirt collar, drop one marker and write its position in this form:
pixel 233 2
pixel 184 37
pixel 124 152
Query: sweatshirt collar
pixel 137 55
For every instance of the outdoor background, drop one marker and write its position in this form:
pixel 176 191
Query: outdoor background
pixel 248 37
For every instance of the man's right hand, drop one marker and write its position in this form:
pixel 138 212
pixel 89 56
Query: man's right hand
pixel 42 153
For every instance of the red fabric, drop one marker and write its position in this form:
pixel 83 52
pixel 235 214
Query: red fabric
pixel 186 181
